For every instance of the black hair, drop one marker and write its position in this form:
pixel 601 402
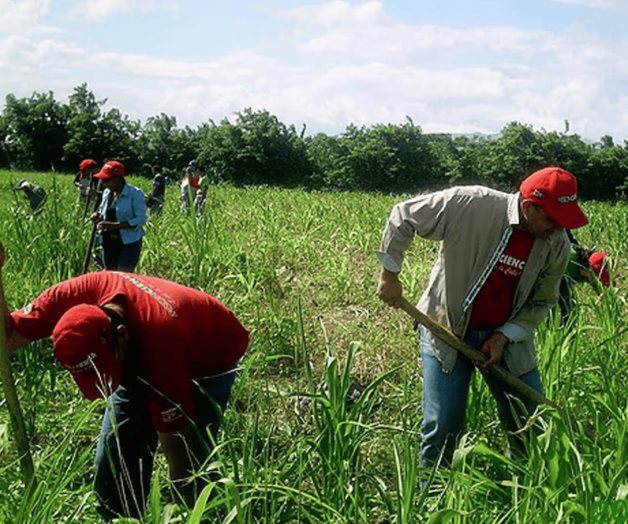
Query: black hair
pixel 116 321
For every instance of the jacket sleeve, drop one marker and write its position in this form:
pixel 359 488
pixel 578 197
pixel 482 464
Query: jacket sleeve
pixel 138 207
pixel 543 298
pixel 424 215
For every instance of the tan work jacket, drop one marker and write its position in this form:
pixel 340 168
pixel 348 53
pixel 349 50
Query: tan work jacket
pixel 474 224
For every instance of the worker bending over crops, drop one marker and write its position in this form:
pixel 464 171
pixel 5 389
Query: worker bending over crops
pixel 496 277
pixel 585 265
pixel 36 195
pixel 164 357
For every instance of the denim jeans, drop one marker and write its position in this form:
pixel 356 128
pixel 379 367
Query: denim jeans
pixel 128 440
pixel 445 400
pixel 119 256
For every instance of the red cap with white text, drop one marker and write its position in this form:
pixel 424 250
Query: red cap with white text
pixel 555 190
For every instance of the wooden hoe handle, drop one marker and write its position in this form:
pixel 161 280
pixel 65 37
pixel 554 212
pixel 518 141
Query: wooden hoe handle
pixel 452 340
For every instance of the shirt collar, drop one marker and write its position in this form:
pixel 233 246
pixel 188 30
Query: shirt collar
pixel 514 216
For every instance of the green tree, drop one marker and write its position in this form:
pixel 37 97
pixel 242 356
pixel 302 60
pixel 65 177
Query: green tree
pixel 161 143
pixel 36 128
pixel 118 136
pixel 504 162
pixel 383 157
pixel 84 121
pixel 607 173
pixel 256 149
pixel 567 151
pixel 326 155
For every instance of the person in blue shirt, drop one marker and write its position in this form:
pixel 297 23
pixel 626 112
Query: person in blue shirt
pixel 120 218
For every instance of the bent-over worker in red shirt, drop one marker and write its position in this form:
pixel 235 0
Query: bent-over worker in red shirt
pixel 163 355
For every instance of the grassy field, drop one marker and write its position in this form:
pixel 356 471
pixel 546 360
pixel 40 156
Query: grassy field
pixel 299 270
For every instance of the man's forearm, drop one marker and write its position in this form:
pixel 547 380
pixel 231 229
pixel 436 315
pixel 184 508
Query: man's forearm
pixel 177 448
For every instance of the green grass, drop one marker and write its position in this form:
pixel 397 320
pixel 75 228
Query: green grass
pixel 299 270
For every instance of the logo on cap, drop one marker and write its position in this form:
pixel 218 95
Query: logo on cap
pixel 568 198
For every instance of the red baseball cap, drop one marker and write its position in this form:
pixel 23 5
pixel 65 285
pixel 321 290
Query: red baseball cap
pixel 81 341
pixel 86 164
pixel 555 190
pixel 599 264
pixel 111 169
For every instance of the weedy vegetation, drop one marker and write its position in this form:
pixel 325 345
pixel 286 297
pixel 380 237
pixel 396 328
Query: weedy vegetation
pixel 324 423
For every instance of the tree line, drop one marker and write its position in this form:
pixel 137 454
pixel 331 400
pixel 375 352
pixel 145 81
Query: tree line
pixel 41 133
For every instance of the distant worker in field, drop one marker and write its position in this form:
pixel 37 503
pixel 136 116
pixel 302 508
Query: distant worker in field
pixel 163 355
pixel 584 265
pixel 84 179
pixel 201 193
pixel 35 195
pixel 157 197
pixel 190 185
pixel 120 218
pixel 495 279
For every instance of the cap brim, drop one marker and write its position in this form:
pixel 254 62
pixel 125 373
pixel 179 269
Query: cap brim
pixel 94 386
pixel 568 216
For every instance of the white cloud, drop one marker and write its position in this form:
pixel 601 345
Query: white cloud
pixel 95 10
pixel 338 12
pixel 378 71
pixel 338 29
pixel 21 58
pixel 400 43
pixel 597 4
pixel 21 17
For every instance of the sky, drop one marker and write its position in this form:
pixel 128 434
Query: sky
pixel 454 66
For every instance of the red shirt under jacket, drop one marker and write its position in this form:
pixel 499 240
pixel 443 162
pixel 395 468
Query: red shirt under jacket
pixel 179 334
pixel 493 305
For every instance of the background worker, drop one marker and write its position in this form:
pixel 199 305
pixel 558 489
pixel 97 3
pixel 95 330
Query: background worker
pixel 162 353
pixel 84 178
pixel 120 218
pixel 584 266
pixel 496 277
pixel 190 185
pixel 201 192
pixel 156 199
pixel 35 194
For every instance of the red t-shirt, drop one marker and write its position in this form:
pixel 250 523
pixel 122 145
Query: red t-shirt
pixel 194 181
pixel 493 304
pixel 178 334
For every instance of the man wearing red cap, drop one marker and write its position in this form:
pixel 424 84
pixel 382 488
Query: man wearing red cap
pixel 584 266
pixel 496 277
pixel 84 178
pixel 164 357
pixel 120 218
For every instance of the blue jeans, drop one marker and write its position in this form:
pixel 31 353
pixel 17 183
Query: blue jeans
pixel 445 400
pixel 119 256
pixel 128 440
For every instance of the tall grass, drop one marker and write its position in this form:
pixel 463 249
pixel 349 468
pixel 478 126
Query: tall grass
pixel 325 416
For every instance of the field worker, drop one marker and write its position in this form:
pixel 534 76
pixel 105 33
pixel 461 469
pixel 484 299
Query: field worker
pixel 137 341
pixel 496 277
pixel 35 194
pixel 584 266
pixel 120 218
pixel 189 185
pixel 157 195
pixel 201 192
pixel 84 180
